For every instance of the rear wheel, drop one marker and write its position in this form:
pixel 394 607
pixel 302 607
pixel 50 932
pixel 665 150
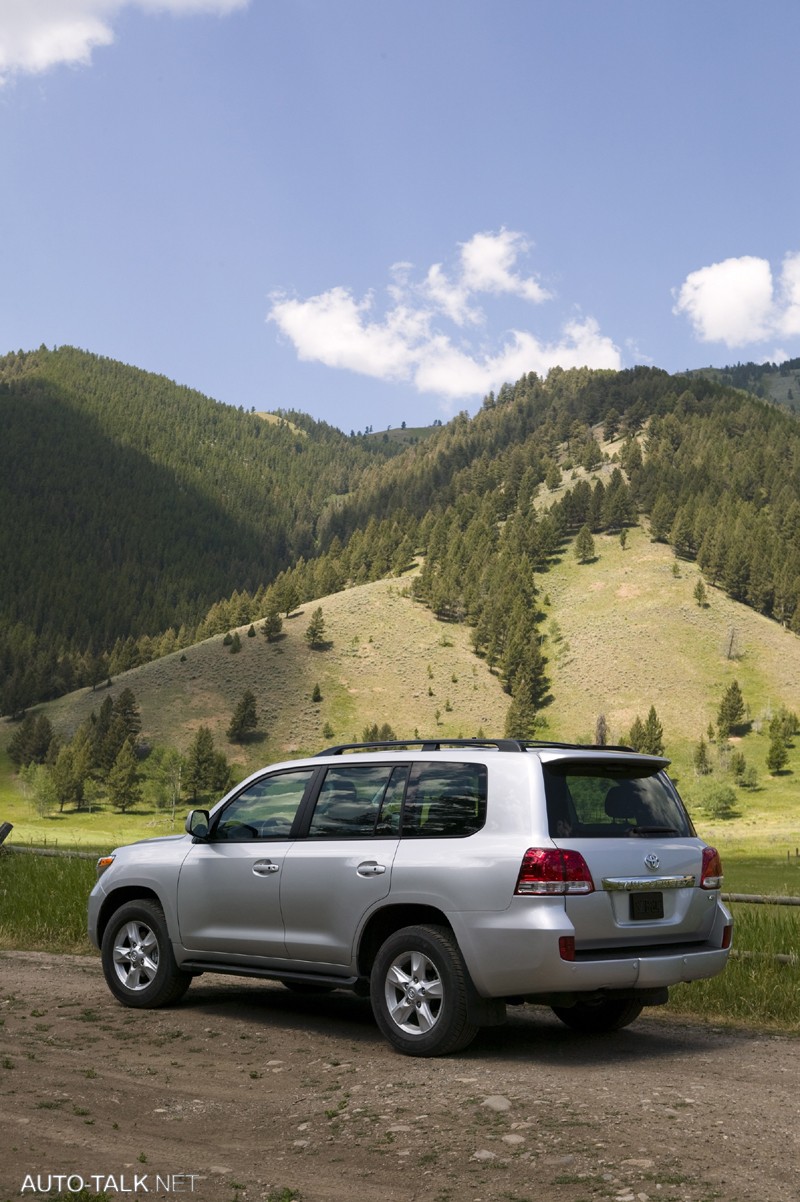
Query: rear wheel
pixel 419 990
pixel 138 962
pixel 597 1017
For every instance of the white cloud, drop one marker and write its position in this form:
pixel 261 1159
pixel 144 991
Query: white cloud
pixel 738 302
pixel 487 263
pixel 409 342
pixel 453 373
pixel 335 329
pixel 36 35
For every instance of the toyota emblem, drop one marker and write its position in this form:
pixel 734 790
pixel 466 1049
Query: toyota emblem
pixel 652 861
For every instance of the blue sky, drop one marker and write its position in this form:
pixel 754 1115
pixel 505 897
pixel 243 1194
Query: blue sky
pixel 375 212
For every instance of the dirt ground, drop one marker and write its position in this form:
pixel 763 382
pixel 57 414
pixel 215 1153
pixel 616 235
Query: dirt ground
pixel 245 1092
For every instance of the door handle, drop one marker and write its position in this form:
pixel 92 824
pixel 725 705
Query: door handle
pixel 264 867
pixel 370 868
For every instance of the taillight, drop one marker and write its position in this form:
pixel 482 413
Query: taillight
pixel 552 870
pixel 711 874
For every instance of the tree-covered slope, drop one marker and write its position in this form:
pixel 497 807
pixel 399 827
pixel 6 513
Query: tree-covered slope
pixel 777 382
pixel 132 505
pixel 129 504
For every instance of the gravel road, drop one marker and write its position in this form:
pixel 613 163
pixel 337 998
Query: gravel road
pixel 246 1092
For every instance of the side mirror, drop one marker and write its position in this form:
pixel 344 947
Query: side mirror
pixel 197 824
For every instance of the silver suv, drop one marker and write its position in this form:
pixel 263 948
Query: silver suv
pixel 444 878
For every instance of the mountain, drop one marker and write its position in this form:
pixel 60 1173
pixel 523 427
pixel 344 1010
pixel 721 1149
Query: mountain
pixel 138 517
pixel 129 505
pixel 779 383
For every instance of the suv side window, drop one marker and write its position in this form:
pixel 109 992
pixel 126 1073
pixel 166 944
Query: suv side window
pixel 445 801
pixel 266 809
pixel 358 802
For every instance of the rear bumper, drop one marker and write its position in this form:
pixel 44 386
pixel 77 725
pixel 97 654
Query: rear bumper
pixel 517 953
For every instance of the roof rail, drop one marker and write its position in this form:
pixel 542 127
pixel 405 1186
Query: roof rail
pixel 426 745
pixel 534 743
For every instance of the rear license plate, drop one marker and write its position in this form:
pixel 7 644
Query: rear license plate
pixel 647 906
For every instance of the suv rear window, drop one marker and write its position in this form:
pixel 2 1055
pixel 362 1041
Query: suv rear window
pixel 444 801
pixel 358 802
pixel 611 800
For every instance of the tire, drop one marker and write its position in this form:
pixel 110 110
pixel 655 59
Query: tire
pixel 595 1018
pixel 419 989
pixel 138 962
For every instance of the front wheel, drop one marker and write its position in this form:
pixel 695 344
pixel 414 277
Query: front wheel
pixel 419 989
pixel 599 1017
pixel 138 962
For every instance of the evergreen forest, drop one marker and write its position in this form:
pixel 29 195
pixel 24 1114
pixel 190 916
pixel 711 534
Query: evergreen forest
pixel 138 517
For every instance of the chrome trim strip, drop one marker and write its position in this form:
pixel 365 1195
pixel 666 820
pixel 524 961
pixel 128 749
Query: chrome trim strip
pixel 646 883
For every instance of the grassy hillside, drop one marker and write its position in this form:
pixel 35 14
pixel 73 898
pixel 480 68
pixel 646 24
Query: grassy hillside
pixel 625 632
pixel 387 660
pixel 622 633
pixel 381 645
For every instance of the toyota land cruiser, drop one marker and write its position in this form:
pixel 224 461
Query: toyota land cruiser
pixel 444 878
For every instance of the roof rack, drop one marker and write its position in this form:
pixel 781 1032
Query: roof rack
pixel 426 745
pixel 499 745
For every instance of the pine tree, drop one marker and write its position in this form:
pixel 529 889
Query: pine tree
pixel 584 545
pixel 200 762
pixel 124 788
pixel 702 763
pixel 778 754
pixel 315 632
pixel 636 735
pixel 653 734
pixel 521 719
pixel 245 718
pixel 31 741
pixel 731 710
pixel 272 625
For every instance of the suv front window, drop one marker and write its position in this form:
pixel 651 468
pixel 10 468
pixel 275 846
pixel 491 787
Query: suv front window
pixel 608 800
pixel 266 809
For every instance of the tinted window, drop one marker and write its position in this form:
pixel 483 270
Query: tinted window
pixel 611 800
pixel 266 809
pixel 445 801
pixel 358 802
